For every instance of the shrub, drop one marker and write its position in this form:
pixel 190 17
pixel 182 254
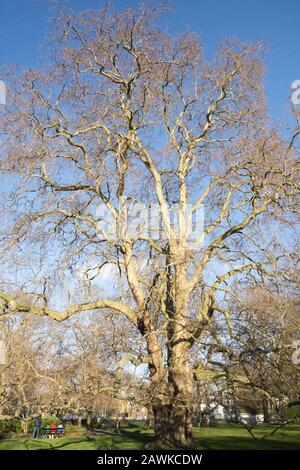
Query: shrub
pixel 292 413
pixel 47 420
pixel 137 423
pixel 8 426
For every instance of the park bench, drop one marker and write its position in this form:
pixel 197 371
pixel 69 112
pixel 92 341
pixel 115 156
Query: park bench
pixel 51 433
pixel 107 424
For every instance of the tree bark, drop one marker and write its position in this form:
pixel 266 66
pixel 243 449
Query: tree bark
pixel 172 386
pixel 24 426
pixel 173 426
pixel 266 410
pixel 173 398
pixel 173 417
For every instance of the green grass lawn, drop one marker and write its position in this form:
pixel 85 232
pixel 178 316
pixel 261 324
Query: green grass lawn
pixel 223 437
pixel 234 437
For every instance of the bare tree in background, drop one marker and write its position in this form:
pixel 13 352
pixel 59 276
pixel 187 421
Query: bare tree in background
pixel 27 388
pixel 54 369
pixel 254 363
pixel 124 111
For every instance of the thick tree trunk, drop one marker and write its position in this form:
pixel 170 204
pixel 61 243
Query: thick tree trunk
pixel 173 426
pixel 172 404
pixel 177 430
pixel 172 386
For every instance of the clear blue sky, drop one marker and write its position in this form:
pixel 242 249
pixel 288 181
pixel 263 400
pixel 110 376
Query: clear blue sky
pixel 23 24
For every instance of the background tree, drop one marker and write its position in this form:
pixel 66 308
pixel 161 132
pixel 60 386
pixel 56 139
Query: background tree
pixel 55 369
pixel 255 363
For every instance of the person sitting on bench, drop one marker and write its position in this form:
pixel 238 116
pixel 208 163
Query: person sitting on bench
pixel 47 431
pixel 60 430
pixel 53 429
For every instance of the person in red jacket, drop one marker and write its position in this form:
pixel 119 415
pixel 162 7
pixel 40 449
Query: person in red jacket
pixel 53 430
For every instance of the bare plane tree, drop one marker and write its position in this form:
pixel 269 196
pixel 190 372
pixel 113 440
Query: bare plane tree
pixel 124 113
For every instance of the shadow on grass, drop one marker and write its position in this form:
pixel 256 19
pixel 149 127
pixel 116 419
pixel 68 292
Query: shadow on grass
pixel 232 443
pixel 223 437
pixel 86 440
pixel 238 439
pixel 126 440
pixel 45 444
